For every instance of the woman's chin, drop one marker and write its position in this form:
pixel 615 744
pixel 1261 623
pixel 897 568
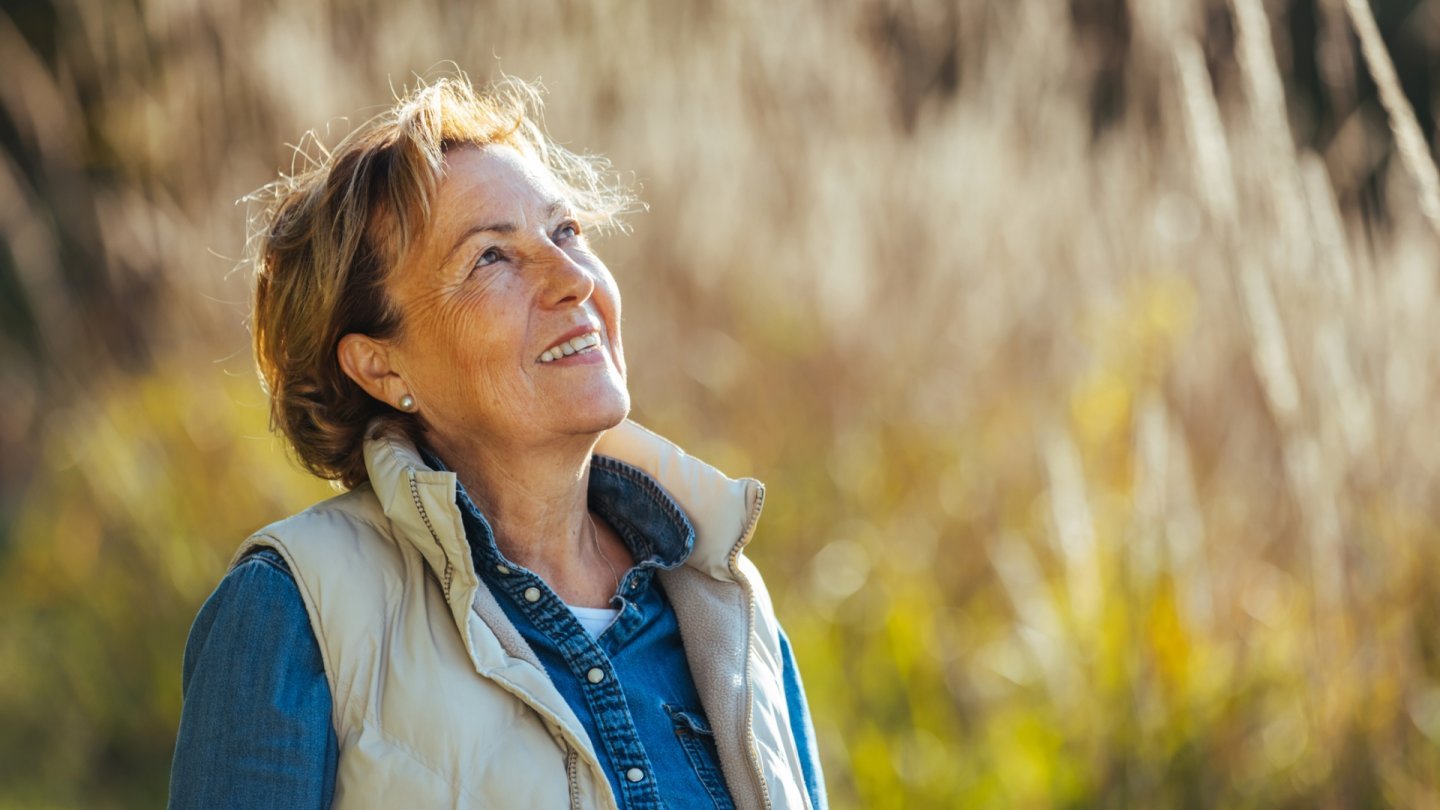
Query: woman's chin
pixel 603 413
pixel 616 414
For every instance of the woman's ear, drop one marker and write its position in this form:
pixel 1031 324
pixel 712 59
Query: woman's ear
pixel 367 361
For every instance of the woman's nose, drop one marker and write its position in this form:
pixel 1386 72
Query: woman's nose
pixel 566 280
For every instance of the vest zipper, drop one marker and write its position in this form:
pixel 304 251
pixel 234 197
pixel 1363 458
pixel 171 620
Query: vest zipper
pixel 425 516
pixel 750 744
pixel 571 757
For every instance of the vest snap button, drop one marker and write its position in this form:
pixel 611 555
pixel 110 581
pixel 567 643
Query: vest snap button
pixel 634 774
pixel 595 675
pixel 532 594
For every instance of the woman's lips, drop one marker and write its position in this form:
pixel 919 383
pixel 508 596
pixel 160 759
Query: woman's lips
pixel 586 341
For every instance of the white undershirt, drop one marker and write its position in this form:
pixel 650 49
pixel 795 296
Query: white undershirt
pixel 594 620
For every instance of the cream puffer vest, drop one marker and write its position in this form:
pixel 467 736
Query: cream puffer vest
pixel 439 702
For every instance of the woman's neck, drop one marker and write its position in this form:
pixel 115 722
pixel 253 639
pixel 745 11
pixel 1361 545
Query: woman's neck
pixel 536 502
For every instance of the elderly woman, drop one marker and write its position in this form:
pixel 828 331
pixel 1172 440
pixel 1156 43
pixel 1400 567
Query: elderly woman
pixel 523 600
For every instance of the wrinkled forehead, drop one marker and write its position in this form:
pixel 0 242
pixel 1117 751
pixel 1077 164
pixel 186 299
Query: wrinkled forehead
pixel 494 180
pixel 475 182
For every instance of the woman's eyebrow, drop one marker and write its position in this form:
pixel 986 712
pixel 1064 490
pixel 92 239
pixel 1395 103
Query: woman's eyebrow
pixel 554 207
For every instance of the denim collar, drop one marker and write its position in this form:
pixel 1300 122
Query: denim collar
pixel 655 529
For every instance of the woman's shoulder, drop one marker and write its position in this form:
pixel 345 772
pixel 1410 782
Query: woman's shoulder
pixel 353 518
pixel 263 557
pixel 356 505
pixel 341 546
pixel 257 593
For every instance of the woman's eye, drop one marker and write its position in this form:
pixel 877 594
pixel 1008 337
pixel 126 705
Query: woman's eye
pixel 487 258
pixel 567 231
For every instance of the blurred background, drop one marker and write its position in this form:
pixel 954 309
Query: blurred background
pixel 1087 348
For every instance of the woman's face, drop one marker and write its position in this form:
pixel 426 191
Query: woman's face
pixel 510 325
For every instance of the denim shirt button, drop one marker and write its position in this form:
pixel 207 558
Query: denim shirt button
pixel 635 774
pixel 595 675
pixel 502 570
pixel 532 594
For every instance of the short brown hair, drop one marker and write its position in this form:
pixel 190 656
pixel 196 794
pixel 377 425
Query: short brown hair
pixel 324 240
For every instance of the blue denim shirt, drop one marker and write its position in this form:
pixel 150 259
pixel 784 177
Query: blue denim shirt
pixel 256 727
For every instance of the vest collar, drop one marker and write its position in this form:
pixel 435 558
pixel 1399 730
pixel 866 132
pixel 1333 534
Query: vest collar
pixel 420 501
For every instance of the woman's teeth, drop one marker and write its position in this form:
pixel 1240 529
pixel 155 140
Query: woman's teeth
pixel 572 346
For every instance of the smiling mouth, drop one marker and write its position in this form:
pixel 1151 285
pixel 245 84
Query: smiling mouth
pixel 578 345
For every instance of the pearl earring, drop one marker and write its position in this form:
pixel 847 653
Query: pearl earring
pixel 407 403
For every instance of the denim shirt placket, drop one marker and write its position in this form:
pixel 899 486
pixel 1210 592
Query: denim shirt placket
pixel 584 655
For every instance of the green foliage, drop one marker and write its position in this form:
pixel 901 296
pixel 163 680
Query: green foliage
pixel 144 490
